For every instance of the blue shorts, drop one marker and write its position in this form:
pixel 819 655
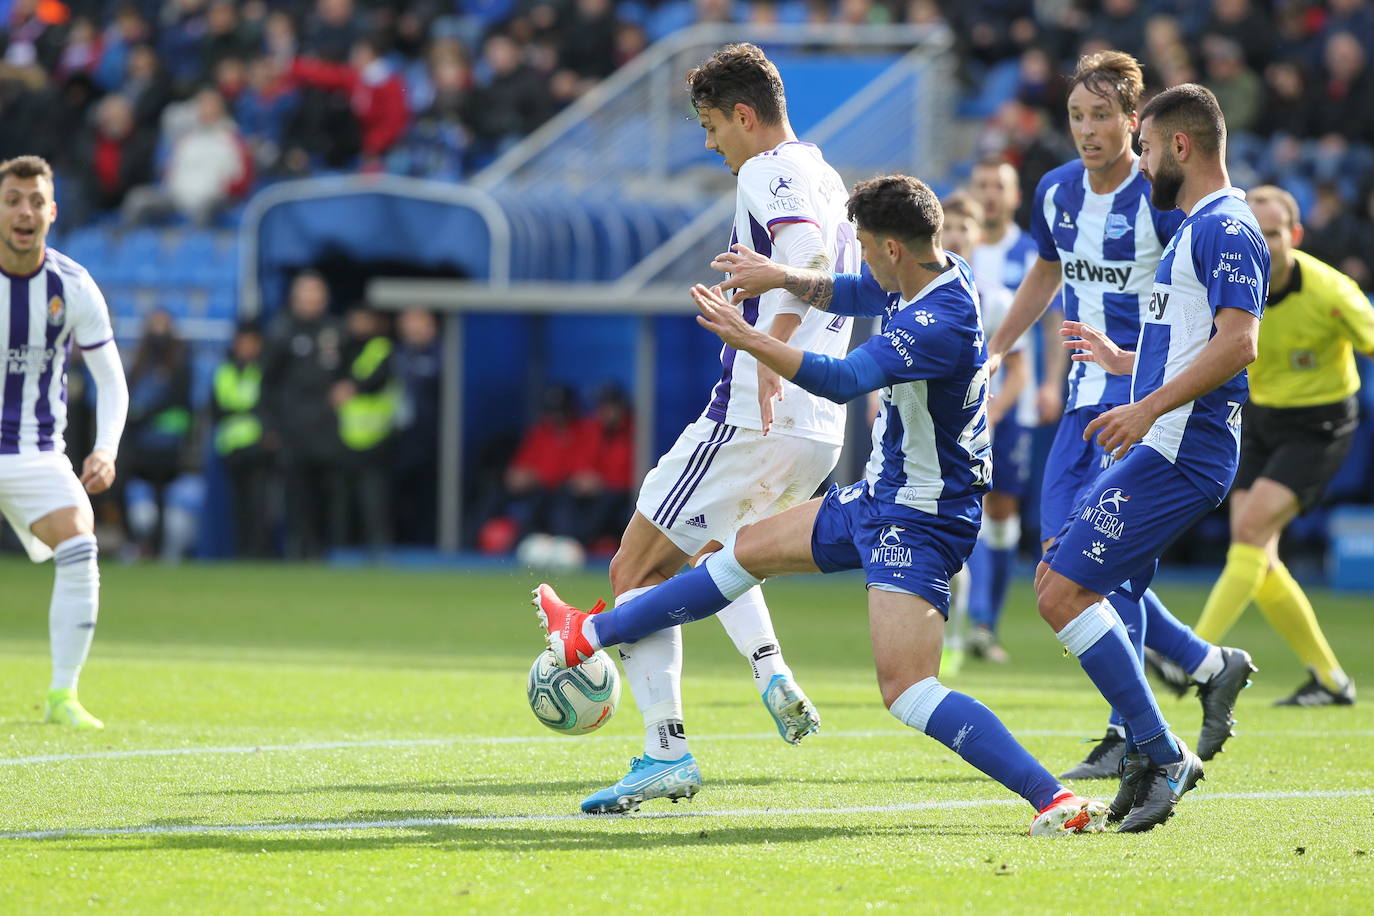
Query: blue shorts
pixel 1011 446
pixel 1070 468
pixel 1125 520
pixel 900 549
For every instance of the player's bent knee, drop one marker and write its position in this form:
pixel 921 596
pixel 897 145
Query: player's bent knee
pixel 63 524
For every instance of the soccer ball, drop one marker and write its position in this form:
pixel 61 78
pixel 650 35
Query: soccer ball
pixel 574 701
pixel 554 554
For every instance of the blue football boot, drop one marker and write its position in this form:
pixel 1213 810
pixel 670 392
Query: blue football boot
pixel 648 778
pixel 795 715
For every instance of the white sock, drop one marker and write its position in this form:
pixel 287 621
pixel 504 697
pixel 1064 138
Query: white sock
pixel 917 703
pixel 653 666
pixel 958 609
pixel 75 605
pixel 747 621
pixel 1211 665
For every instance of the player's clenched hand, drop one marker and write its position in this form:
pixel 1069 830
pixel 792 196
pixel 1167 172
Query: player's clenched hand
pixel 1089 345
pixel 98 471
pixel 770 389
pixel 1120 428
pixel 751 274
pixel 720 317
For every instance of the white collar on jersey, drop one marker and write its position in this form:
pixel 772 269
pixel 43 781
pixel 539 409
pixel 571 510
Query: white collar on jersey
pixel 1228 191
pixel 951 273
pixel 1135 170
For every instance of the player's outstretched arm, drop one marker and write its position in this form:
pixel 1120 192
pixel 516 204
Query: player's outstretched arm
pixel 752 274
pixel 1231 349
pixel 839 380
pixel 1032 298
pixel 1015 375
pixel 111 408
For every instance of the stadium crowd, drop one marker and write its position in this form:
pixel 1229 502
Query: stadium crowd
pixel 186 106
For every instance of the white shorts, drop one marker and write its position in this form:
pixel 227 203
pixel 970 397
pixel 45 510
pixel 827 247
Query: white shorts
pixel 717 478
pixel 34 485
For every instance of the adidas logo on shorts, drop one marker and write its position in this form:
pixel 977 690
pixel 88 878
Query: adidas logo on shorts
pixel 697 521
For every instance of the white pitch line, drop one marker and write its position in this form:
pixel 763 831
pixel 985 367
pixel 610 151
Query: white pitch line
pixel 540 739
pixel 499 820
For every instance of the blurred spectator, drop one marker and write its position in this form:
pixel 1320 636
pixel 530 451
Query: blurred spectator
pixel 156 438
pixel 181 37
pixel 375 93
pixel 1331 231
pixel 115 155
pixel 145 86
pixel 1285 110
pixel 34 34
pixel 365 398
pixel 302 360
pixel 587 37
pixel 209 165
pixel 593 506
pixel 545 459
pixel 1040 83
pixel 1121 25
pixel 331 30
pixel 224 35
pixel 510 102
pixel 264 108
pixel 1343 105
pixel 1238 89
pixel 240 441
pixel 126 30
pixel 81 51
pixel 1249 26
pixel 417 367
pixel 1353 16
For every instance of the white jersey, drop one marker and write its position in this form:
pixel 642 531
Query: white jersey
pixel 998 269
pixel 788 184
pixel 40 316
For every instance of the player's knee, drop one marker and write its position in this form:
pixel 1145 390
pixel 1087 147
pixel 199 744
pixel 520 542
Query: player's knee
pixel 749 547
pixel 62 525
pixel 627 572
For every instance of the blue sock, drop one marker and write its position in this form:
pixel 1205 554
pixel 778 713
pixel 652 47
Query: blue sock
pixel 1133 618
pixel 974 732
pixel 1003 558
pixel 1171 637
pixel 1099 640
pixel 980 611
pixel 695 594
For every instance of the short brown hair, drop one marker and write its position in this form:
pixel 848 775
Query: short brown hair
pixel 1193 110
pixel 962 204
pixel 1112 75
pixel 25 167
pixel 739 74
pixel 1270 193
pixel 896 206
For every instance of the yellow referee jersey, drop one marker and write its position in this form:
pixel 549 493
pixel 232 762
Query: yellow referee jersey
pixel 1308 337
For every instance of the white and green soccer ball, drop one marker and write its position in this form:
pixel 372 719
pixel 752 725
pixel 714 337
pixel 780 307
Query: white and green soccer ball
pixel 574 701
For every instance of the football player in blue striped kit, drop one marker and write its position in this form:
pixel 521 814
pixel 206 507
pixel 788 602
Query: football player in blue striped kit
pixel 1175 437
pixel 48 302
pixel 1100 238
pixel 911 522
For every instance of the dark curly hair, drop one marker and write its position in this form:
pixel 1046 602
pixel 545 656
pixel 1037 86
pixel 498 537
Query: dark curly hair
pixel 897 206
pixel 1112 75
pixel 739 74
pixel 1189 109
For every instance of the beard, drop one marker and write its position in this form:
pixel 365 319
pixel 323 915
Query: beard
pixel 1166 183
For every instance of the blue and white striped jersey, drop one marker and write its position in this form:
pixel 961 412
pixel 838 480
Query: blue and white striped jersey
pixel 931 444
pixel 1216 260
pixel 40 315
pixel 1108 246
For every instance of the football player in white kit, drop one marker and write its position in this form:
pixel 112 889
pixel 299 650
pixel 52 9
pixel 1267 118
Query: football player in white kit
pixel 48 303
pixel 761 446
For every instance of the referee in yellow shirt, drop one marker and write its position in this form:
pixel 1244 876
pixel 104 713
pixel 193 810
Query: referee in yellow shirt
pixel 1297 429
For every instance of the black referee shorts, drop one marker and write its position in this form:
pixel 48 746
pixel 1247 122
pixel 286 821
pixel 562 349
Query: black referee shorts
pixel 1299 447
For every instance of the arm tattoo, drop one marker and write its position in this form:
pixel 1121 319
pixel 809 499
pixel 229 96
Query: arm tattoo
pixel 814 287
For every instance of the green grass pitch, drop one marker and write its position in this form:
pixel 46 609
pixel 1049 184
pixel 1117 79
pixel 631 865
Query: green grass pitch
pixel 284 739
